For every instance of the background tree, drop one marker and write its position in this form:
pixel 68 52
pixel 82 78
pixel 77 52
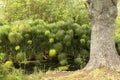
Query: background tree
pixel 103 14
pixel 47 10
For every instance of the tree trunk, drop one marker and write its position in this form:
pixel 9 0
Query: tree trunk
pixel 102 52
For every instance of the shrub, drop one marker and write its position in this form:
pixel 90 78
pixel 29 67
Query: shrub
pixel 56 43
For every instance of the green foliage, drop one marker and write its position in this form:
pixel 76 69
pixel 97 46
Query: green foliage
pixel 62 68
pixel 78 61
pixel 62 56
pixel 2 56
pixel 29 41
pixel 79 31
pixel 36 40
pixel 58 47
pixel 2 73
pixel 67 38
pixel 26 33
pixel 21 56
pixel 84 53
pixel 8 65
pixel 24 28
pixel 63 62
pixel 60 34
pixel 82 42
pixel 47 10
pixel 47 32
pixel 70 32
pixel 12 74
pixel 15 37
pixel 62 59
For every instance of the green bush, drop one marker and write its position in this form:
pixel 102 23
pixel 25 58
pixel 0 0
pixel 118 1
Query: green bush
pixel 56 43
pixel 47 10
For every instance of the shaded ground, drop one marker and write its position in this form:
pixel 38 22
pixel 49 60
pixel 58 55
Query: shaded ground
pixel 96 74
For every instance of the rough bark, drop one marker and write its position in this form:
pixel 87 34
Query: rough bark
pixel 103 53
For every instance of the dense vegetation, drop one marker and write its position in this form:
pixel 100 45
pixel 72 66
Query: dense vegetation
pixel 47 10
pixel 49 34
pixel 57 43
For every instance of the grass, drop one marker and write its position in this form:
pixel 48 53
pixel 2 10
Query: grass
pixel 96 74
pixel 19 74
